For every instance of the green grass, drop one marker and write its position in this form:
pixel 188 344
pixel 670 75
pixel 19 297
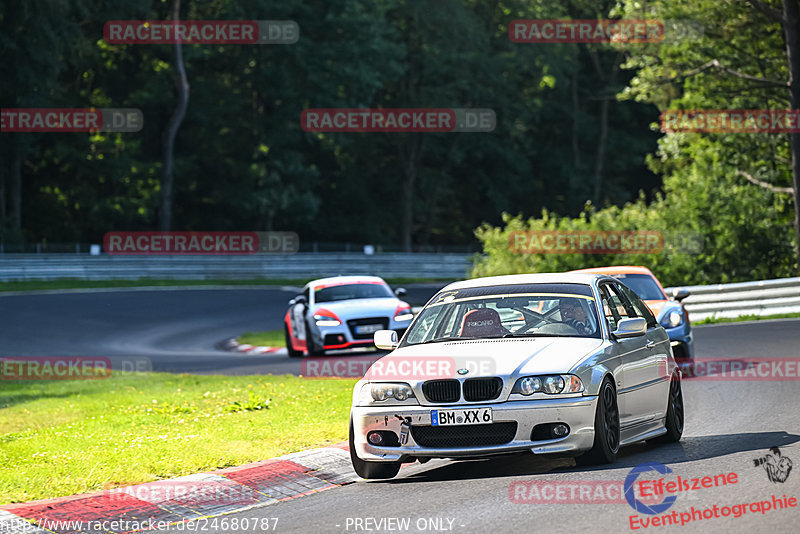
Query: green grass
pixel 717 320
pixel 64 437
pixel 270 338
pixel 72 283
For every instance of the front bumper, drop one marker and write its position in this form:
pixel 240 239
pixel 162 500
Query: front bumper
pixel 577 412
pixel 340 337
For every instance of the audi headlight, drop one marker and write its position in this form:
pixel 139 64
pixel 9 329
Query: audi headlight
pixel 672 319
pixel 386 393
pixel 325 320
pixel 549 384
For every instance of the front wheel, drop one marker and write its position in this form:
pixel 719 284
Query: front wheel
pixel 606 428
pixel 289 348
pixel 367 469
pixel 313 348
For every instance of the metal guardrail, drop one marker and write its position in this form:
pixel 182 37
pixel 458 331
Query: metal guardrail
pixel 765 297
pixel 295 266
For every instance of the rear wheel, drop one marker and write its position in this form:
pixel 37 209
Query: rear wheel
pixel 289 348
pixel 675 414
pixel 606 428
pixel 367 469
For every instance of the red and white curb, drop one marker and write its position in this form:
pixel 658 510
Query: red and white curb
pixel 183 499
pixel 234 346
pixel 250 349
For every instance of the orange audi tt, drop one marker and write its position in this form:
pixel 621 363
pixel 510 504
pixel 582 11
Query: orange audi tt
pixel 669 312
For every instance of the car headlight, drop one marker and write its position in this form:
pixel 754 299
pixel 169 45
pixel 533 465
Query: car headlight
pixel 325 320
pixel 403 313
pixel 384 393
pixel 549 384
pixel 672 319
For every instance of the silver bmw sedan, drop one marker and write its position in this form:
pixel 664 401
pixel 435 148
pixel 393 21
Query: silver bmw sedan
pixel 571 364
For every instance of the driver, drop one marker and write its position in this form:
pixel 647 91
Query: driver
pixel 573 314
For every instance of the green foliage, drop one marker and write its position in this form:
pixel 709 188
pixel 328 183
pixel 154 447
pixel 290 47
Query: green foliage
pixel 745 229
pixel 243 162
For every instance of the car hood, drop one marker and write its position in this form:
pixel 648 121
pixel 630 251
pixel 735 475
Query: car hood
pixel 490 357
pixel 357 308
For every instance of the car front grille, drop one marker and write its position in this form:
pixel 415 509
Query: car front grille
pixel 444 437
pixel 353 323
pixel 441 390
pixel 482 389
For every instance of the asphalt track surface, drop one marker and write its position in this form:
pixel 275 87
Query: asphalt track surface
pixel 729 424
pixel 170 330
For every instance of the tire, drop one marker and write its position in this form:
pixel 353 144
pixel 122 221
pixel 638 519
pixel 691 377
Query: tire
pixel 371 470
pixel 675 412
pixel 313 350
pixel 606 428
pixel 292 353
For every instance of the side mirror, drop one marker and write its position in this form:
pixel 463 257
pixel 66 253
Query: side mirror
pixel 386 339
pixel 400 292
pixel 680 293
pixel 299 299
pixel 630 328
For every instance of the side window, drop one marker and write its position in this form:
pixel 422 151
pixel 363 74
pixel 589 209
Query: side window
pixel 609 311
pixel 615 307
pixel 641 309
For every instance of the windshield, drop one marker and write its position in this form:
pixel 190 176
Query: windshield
pixel 643 285
pixel 562 310
pixel 351 291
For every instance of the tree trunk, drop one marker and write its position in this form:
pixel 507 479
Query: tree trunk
pixel 182 84
pixel 16 191
pixel 600 157
pixel 791 26
pixel 576 153
pixel 409 154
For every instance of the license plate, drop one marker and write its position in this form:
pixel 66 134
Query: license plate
pixel 474 416
pixel 368 328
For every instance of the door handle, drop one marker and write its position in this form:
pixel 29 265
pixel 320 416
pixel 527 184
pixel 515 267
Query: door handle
pixel 650 344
